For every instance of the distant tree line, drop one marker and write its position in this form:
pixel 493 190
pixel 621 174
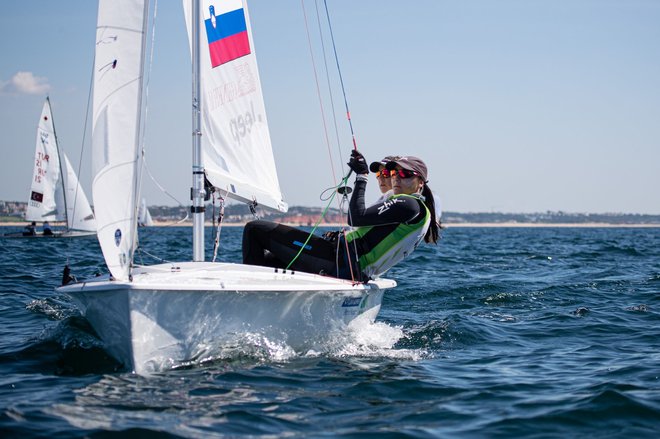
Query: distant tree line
pixel 240 213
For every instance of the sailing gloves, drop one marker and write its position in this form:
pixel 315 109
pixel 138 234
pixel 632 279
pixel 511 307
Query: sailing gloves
pixel 357 163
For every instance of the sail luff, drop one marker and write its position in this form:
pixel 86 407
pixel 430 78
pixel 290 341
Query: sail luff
pixel 139 157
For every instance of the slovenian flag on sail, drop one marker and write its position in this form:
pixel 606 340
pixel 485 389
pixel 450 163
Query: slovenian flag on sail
pixel 226 30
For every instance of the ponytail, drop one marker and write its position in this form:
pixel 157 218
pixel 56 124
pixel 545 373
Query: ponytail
pixel 434 229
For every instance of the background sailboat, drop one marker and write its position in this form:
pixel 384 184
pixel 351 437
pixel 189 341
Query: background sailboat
pixel 55 192
pixel 144 216
pixel 153 317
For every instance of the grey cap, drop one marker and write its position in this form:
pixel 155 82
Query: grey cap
pixel 375 166
pixel 410 163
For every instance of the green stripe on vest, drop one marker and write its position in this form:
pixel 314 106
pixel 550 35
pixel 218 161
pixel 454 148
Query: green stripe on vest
pixel 386 245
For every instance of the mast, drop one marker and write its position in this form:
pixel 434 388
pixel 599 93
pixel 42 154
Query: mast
pixel 59 159
pixel 197 192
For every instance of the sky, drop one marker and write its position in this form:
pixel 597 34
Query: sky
pixel 514 105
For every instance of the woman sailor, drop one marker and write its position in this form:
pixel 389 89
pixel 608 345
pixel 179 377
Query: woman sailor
pixel 383 234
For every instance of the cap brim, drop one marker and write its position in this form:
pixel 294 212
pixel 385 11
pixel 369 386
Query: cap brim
pixel 375 166
pixel 392 165
pixel 404 165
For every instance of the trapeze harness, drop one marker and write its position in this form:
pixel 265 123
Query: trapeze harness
pixel 381 246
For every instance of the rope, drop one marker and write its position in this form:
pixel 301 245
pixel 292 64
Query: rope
pixel 309 236
pixel 221 216
pixel 159 259
pixel 341 78
pixel 82 143
pixel 318 91
pixel 325 129
pixel 162 189
pixel 146 105
pixel 329 85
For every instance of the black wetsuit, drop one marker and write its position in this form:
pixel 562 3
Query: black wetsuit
pixel 326 255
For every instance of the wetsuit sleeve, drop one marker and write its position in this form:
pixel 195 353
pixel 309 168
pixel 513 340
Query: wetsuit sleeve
pixel 389 211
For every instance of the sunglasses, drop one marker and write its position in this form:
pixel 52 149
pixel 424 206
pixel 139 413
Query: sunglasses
pixel 401 173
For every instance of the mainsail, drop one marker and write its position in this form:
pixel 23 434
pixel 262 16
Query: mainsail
pixel 236 148
pixel 46 202
pixel 118 69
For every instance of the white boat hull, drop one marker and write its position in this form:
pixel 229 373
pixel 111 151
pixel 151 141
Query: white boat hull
pixel 174 313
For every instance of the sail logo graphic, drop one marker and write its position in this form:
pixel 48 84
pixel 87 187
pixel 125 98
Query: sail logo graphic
pixel 387 204
pixel 226 31
pixel 37 196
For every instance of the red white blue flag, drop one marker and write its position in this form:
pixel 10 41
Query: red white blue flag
pixel 226 31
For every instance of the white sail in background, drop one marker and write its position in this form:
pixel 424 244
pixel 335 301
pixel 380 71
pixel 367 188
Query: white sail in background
pixel 46 202
pixel 79 215
pixel 144 216
pixel 118 71
pixel 236 147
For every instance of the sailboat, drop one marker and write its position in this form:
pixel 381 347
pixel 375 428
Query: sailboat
pixel 55 192
pixel 156 317
pixel 144 216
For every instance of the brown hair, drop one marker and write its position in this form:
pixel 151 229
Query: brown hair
pixel 433 232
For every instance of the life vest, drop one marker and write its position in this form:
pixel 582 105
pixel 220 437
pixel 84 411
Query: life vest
pixel 381 247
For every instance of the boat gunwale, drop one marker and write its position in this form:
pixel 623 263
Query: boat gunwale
pixel 223 277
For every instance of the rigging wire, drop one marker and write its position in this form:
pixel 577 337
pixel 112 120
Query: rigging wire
pixel 329 84
pixel 337 187
pixel 350 124
pixel 318 90
pixel 84 136
pixel 143 134
pixel 341 78
pixel 153 179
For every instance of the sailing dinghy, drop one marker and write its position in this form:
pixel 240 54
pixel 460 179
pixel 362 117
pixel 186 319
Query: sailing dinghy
pixel 157 317
pixel 144 216
pixel 55 192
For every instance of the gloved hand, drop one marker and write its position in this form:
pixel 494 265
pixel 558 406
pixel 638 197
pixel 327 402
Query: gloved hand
pixel 358 163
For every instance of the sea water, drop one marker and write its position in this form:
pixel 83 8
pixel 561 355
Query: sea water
pixel 495 332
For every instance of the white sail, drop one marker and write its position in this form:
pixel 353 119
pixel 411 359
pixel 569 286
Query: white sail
pixel 117 103
pixel 46 202
pixel 144 216
pixel 236 148
pixel 79 215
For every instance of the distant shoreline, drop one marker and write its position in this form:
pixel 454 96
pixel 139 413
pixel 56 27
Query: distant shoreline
pixel 447 225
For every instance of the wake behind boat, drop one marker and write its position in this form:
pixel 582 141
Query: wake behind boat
pixel 164 315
